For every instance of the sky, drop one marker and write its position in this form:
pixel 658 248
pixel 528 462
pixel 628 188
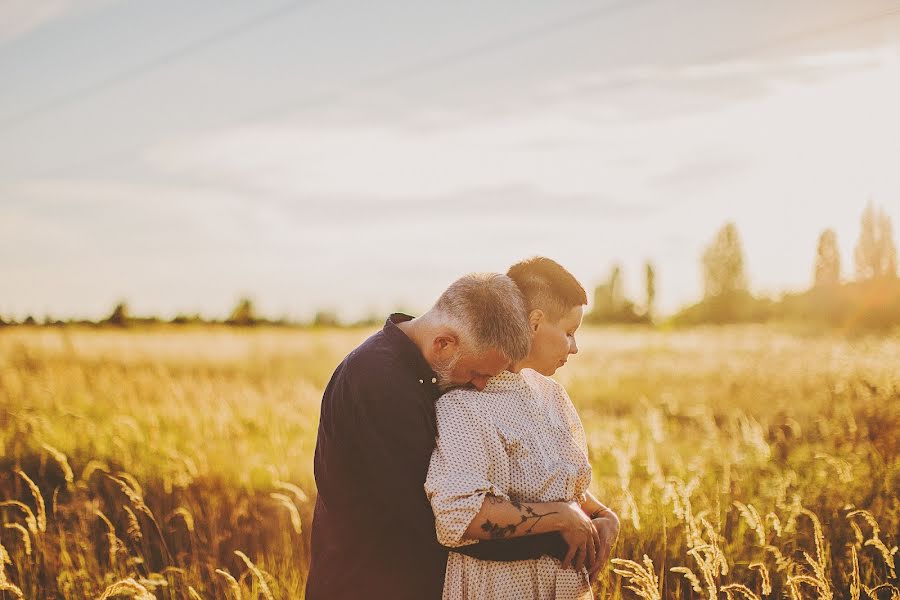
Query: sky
pixel 359 156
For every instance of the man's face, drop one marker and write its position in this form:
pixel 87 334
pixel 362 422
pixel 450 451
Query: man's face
pixel 464 368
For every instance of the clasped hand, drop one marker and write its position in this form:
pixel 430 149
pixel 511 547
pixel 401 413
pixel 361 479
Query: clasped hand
pixel 590 541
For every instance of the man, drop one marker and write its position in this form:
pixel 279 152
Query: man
pixel 373 530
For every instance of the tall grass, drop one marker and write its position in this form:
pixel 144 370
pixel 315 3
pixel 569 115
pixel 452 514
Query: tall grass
pixel 744 462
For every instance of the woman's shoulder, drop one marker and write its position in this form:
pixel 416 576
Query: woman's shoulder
pixel 459 398
pixel 542 382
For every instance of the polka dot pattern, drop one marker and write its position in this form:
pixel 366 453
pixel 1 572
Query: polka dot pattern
pixel 521 439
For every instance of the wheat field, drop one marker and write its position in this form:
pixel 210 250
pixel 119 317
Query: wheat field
pixel 169 463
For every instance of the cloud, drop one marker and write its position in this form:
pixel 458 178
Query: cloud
pixel 21 17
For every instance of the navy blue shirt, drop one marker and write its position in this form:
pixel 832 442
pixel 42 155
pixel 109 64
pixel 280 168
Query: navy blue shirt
pixel 373 530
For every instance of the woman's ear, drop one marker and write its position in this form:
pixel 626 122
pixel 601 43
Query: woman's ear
pixel 535 318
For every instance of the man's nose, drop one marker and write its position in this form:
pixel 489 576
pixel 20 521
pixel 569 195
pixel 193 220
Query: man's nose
pixel 573 347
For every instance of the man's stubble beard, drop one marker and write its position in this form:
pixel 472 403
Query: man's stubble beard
pixel 444 371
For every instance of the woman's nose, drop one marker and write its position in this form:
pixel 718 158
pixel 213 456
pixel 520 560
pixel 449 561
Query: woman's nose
pixel 573 347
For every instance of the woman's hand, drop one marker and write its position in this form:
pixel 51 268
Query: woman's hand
pixel 607 527
pixel 580 534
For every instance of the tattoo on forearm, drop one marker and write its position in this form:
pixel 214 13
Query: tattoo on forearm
pixel 527 516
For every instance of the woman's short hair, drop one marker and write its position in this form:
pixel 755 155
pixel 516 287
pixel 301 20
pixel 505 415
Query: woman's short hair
pixel 488 311
pixel 548 286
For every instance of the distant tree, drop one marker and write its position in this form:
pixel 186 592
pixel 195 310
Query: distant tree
pixel 611 305
pixel 875 254
pixel 244 313
pixel 326 318
pixel 616 291
pixel 723 264
pixel 828 260
pixel 120 315
pixel 2 322
pixel 650 277
pixel 29 320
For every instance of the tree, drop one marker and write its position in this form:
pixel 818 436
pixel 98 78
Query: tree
pixel 243 313
pixel 616 293
pixel 723 264
pixel 875 254
pixel 120 315
pixel 610 303
pixel 828 260
pixel 650 275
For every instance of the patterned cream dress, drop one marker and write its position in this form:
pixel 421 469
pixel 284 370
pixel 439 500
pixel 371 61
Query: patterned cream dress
pixel 520 439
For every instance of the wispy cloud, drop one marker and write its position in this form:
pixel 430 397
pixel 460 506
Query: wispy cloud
pixel 21 17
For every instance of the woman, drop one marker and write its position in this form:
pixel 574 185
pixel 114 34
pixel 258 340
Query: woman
pixel 511 460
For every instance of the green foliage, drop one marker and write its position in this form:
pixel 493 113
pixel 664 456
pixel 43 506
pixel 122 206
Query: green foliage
pixel 243 314
pixel 875 254
pixel 723 265
pixel 120 315
pixel 610 304
pixel 828 261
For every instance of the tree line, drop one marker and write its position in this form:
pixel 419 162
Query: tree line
pixel 871 299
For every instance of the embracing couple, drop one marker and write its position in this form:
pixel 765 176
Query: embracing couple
pixel 448 463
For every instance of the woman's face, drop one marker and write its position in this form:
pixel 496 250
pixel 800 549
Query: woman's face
pixel 554 342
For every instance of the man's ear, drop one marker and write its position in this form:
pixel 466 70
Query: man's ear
pixel 535 318
pixel 444 341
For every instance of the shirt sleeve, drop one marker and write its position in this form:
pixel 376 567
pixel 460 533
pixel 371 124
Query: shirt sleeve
pixel 463 466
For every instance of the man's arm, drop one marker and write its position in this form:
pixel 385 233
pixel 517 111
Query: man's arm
pixel 523 548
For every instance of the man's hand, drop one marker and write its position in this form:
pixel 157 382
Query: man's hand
pixel 580 535
pixel 607 528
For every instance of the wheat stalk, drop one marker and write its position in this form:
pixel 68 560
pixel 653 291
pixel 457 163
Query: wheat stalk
pixel 134 526
pixel 854 575
pixel 642 578
pixel 285 501
pixel 731 588
pixel 263 586
pixel 38 500
pixel 30 520
pixel 689 575
pixel 26 539
pixel 6 586
pixel 62 461
pixel 754 521
pixel 234 589
pixel 766 580
pixel 127 587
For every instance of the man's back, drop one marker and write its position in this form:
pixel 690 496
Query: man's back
pixel 373 529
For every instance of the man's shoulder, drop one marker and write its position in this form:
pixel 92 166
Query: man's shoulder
pixel 374 359
pixel 372 367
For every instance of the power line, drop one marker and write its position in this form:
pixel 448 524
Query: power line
pixel 518 38
pixel 153 64
pixel 427 65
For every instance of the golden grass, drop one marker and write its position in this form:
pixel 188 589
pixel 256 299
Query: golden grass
pixel 745 462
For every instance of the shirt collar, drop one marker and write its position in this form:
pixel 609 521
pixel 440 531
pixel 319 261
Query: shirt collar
pixel 410 353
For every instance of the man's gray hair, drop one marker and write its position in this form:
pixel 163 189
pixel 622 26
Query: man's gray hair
pixel 488 311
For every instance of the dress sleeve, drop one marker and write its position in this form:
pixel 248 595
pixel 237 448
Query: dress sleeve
pixel 464 465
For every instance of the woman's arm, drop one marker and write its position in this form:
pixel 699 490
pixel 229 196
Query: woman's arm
pixel 593 507
pixel 606 523
pixel 500 518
